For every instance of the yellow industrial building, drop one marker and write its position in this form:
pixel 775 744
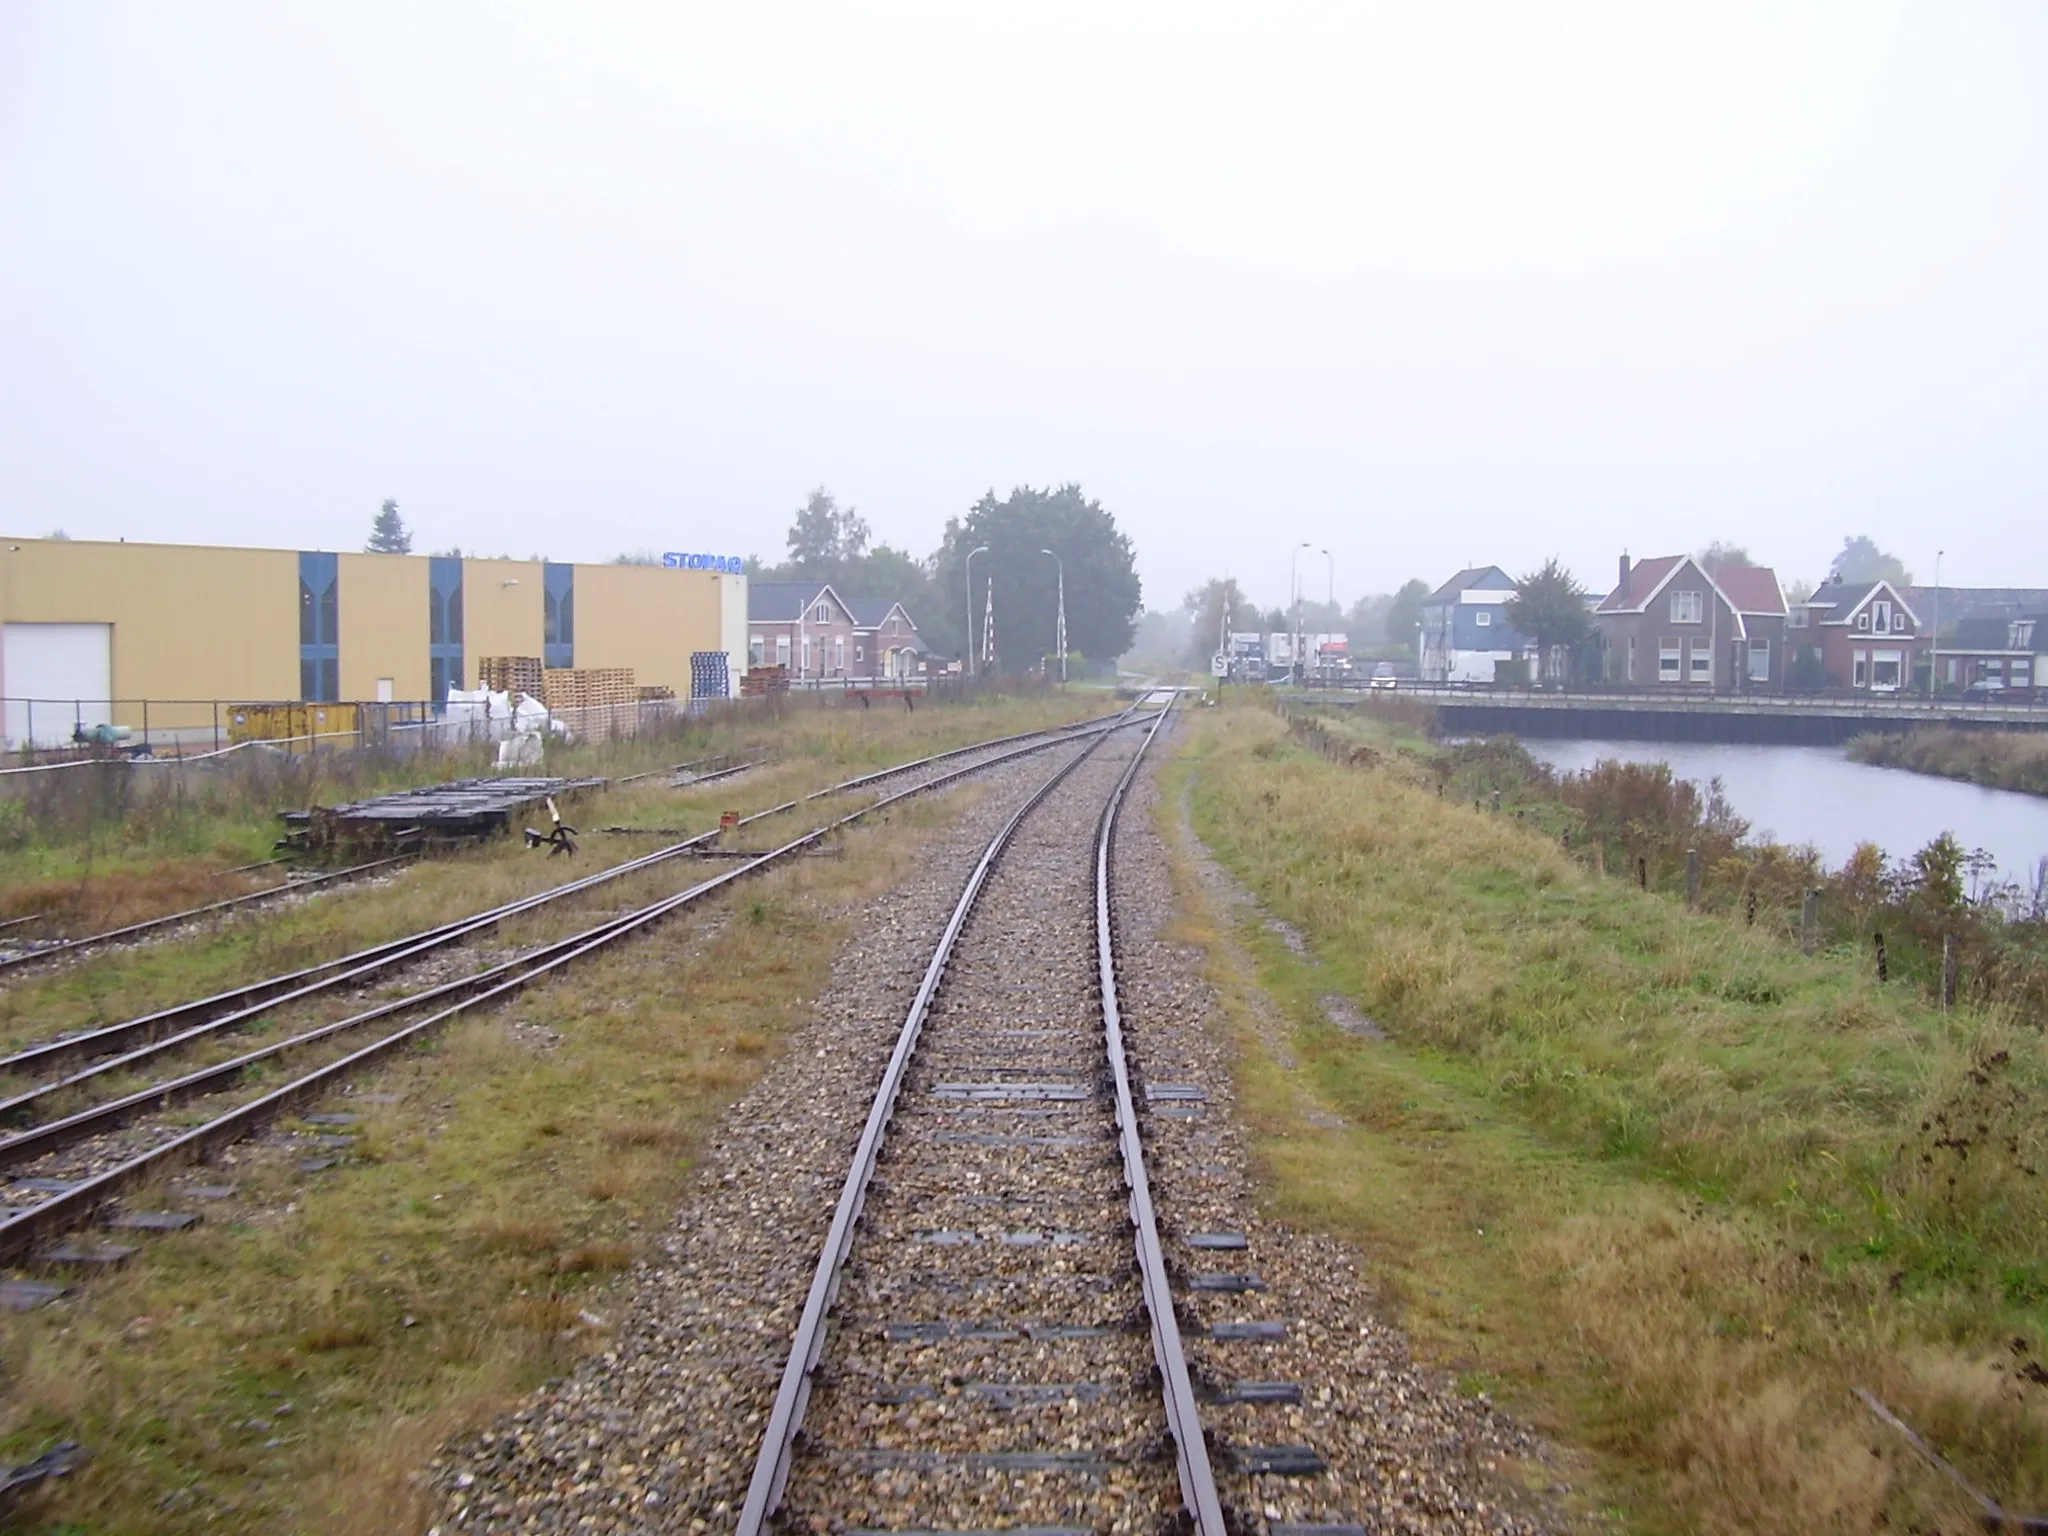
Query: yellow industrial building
pixel 90 631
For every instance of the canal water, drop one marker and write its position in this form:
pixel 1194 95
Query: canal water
pixel 1816 795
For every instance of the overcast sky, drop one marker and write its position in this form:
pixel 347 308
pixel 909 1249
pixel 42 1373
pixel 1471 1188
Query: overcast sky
pixel 1426 284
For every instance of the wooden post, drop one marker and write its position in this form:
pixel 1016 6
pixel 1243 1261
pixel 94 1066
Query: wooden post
pixel 1948 970
pixel 1809 922
pixel 1692 877
pixel 1884 968
pixel 1496 802
pixel 1599 858
pixel 1749 909
pixel 1642 873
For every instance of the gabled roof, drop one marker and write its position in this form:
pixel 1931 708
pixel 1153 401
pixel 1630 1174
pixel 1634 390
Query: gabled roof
pixel 1473 576
pixel 873 612
pixel 1646 579
pixel 784 602
pixel 1845 599
pixel 1649 577
pixel 1752 589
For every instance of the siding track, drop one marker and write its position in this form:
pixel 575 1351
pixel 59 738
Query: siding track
pixel 987 1367
pixel 83 1159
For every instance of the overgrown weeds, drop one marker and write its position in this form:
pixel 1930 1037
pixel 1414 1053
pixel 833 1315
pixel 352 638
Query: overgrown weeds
pixel 1677 1185
pixel 2002 759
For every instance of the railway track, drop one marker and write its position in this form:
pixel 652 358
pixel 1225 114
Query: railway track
pixel 59 1172
pixel 130 932
pixel 990 1337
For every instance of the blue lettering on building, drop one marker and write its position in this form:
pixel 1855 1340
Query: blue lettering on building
pixel 731 565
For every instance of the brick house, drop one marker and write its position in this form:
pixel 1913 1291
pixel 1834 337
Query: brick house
pixel 885 640
pixel 802 625
pixel 1857 634
pixel 1670 623
pixel 1995 655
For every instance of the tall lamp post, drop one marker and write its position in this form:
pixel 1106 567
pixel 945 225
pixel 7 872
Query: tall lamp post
pixel 1294 591
pixel 1061 633
pixel 1330 598
pixel 1934 657
pixel 969 563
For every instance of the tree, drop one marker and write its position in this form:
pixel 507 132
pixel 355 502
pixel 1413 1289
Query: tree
pixel 58 536
pixel 1366 624
pixel 1213 609
pixel 1160 644
pixel 1103 591
pixel 1861 560
pixel 1549 606
pixel 1723 556
pixel 388 534
pixel 824 539
pixel 1404 613
pixel 636 557
pixel 1798 590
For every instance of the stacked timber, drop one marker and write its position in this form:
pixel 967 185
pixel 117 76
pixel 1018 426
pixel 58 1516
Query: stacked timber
pixel 757 681
pixel 588 687
pixel 511 674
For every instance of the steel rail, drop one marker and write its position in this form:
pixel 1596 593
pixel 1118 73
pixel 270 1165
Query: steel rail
pixel 37 1141
pixel 807 1344
pixel 25 1102
pixel 67 1209
pixel 190 914
pixel 1203 1505
pixel 1094 722
pixel 245 1002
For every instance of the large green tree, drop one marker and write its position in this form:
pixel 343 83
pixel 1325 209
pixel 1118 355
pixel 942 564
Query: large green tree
pixel 1549 606
pixel 1103 592
pixel 388 534
pixel 1861 560
pixel 1404 613
pixel 1721 555
pixel 825 538
pixel 1214 608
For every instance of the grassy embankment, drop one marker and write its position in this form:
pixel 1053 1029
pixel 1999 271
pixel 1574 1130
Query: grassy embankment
pixel 291 1364
pixel 1671 1187
pixel 95 847
pixel 1999 759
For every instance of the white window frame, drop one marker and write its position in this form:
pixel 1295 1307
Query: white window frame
pixel 839 653
pixel 1482 618
pixel 1881 616
pixel 805 670
pixel 1631 658
pixel 860 653
pixel 757 649
pixel 1896 660
pixel 782 651
pixel 1859 668
pixel 1671 661
pixel 822 614
pixel 1688 607
pixel 1702 668
pixel 1759 661
pixel 1863 621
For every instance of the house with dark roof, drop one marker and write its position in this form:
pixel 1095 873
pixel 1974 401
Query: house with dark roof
pixel 804 626
pixel 809 628
pixel 1465 630
pixel 1996 655
pixel 885 640
pixel 1857 634
pixel 1671 623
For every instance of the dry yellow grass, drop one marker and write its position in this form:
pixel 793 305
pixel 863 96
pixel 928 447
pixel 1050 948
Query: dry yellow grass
pixel 1660 1181
pixel 290 1364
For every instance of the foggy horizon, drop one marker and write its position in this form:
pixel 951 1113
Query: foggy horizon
pixel 1427 288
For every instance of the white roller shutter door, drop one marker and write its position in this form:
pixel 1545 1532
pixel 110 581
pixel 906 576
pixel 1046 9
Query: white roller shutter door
pixel 56 678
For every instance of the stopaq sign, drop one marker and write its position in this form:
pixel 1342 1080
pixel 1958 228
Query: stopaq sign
pixel 731 565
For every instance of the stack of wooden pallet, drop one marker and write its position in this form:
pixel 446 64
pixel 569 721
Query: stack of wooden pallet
pixel 588 687
pixel 654 693
pixel 756 681
pixel 511 674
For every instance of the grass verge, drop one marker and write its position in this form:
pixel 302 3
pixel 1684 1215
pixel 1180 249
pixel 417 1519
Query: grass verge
pixel 291 1364
pixel 1670 1187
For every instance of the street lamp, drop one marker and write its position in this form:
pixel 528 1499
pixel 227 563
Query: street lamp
pixel 1060 566
pixel 969 563
pixel 1330 599
pixel 1294 591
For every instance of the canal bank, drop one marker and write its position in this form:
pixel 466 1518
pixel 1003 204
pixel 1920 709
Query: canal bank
pixel 1818 796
